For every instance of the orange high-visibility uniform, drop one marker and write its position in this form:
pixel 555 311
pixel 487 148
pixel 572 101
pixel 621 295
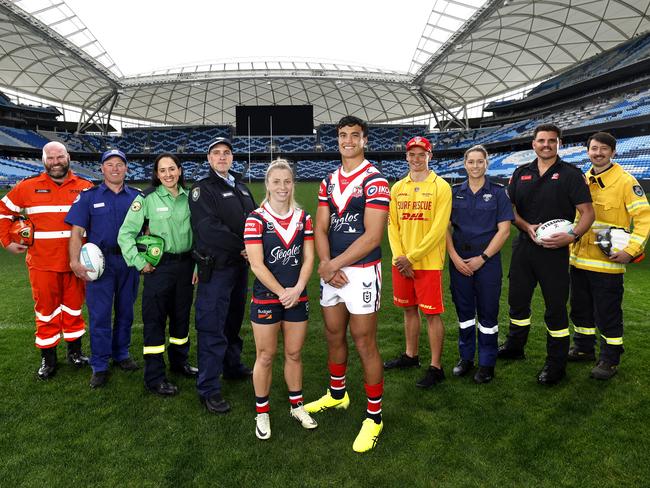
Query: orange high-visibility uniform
pixel 58 294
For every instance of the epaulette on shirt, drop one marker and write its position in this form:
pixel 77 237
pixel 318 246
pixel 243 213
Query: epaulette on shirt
pixel 140 192
pixel 94 187
pixel 497 184
pixel 148 191
pixel 457 184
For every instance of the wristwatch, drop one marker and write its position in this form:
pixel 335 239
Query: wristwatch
pixel 485 256
pixel 576 237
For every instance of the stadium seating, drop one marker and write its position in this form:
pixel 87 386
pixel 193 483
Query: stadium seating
pixel 10 136
pixel 626 54
pixel 632 153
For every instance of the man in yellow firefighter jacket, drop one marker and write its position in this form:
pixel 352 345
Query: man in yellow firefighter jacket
pixel 598 259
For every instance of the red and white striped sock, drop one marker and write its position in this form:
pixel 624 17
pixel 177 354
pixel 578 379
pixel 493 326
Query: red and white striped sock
pixel 295 398
pixel 262 404
pixel 374 394
pixel 337 380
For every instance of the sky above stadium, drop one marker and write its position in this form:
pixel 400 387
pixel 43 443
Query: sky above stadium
pixel 145 35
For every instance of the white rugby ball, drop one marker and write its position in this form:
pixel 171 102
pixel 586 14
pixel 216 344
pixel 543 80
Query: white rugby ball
pixel 92 257
pixel 551 227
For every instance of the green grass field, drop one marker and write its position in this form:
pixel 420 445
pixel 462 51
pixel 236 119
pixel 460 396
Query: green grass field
pixel 511 432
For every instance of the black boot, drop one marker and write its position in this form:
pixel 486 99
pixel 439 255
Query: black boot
pixel 75 356
pixel 48 363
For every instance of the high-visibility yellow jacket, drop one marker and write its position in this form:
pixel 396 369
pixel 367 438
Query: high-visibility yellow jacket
pixel 419 217
pixel 619 201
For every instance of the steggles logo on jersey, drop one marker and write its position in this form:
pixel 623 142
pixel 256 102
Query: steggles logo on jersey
pixel 343 223
pixel 287 256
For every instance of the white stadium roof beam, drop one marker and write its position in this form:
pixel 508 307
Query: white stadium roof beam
pixel 470 50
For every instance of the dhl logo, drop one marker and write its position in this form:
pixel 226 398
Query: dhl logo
pixel 413 216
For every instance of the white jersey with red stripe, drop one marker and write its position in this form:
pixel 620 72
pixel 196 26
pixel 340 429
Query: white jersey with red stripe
pixel 46 203
pixel 282 238
pixel 347 196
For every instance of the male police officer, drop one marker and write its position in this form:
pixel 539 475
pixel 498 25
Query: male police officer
pixel 58 293
pixel 219 206
pixel 546 189
pixel 597 279
pixel 99 213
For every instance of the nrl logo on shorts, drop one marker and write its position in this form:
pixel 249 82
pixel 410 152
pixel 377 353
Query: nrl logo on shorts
pixel 367 296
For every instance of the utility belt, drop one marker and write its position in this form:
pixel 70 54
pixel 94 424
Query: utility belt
pixel 113 251
pixel 471 246
pixel 207 264
pixel 170 257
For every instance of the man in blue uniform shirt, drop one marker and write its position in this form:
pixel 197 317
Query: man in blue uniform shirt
pixel 99 212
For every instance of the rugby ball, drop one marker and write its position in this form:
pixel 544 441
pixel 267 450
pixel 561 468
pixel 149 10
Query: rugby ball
pixel 92 258
pixel 551 227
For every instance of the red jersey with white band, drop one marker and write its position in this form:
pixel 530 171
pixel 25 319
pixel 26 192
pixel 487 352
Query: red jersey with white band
pixel 348 196
pixel 46 204
pixel 282 238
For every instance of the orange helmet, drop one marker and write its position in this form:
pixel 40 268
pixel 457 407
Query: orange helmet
pixel 22 231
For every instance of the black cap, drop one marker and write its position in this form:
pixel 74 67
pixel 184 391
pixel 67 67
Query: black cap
pixel 220 140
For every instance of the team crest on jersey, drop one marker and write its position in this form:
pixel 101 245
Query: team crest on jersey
pixel 358 191
pixel 270 227
pixel 330 188
pixel 487 197
pixel 638 191
pixel 556 176
pixel 136 206
pixel 300 226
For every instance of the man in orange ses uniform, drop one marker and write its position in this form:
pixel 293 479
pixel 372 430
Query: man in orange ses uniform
pixel 58 294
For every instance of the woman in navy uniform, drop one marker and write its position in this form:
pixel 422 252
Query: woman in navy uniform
pixel 480 217
pixel 279 240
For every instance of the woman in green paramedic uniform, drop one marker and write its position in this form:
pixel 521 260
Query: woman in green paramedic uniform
pixel 163 211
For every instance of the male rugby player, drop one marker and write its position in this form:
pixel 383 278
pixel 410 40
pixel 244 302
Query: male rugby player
pixel 350 220
pixel 596 279
pixel 420 207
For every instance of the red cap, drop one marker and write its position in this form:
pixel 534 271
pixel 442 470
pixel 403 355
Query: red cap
pixel 423 142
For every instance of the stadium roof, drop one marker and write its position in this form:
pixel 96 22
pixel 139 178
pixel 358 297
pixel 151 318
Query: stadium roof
pixel 470 50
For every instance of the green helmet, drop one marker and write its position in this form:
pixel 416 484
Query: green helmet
pixel 151 248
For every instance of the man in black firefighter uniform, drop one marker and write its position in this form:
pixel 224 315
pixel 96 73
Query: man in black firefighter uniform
pixel 219 206
pixel 543 190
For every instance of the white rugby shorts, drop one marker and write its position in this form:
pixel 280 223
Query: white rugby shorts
pixel 361 295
